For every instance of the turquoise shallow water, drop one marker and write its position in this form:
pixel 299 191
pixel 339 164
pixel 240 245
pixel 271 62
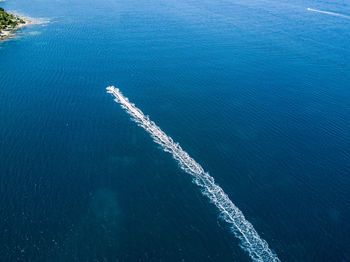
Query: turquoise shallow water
pixel 256 92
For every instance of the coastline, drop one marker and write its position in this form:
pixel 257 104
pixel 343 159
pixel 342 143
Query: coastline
pixel 9 31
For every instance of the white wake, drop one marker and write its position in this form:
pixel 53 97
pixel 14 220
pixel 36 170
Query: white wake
pixel 257 248
pixel 328 13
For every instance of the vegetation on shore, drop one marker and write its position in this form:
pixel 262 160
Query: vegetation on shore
pixel 9 21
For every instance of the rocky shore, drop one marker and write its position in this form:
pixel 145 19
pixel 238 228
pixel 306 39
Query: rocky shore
pixel 10 23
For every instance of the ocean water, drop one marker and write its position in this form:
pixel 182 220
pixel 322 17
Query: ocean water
pixel 257 92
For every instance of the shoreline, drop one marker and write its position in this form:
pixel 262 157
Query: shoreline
pixel 9 32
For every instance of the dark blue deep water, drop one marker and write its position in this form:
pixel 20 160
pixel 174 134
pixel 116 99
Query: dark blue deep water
pixel 257 92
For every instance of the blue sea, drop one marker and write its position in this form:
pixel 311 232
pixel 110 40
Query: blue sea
pixel 257 92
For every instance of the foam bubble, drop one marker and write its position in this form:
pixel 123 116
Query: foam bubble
pixel 328 13
pixel 251 242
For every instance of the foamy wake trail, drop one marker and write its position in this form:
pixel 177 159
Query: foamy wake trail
pixel 251 242
pixel 328 13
